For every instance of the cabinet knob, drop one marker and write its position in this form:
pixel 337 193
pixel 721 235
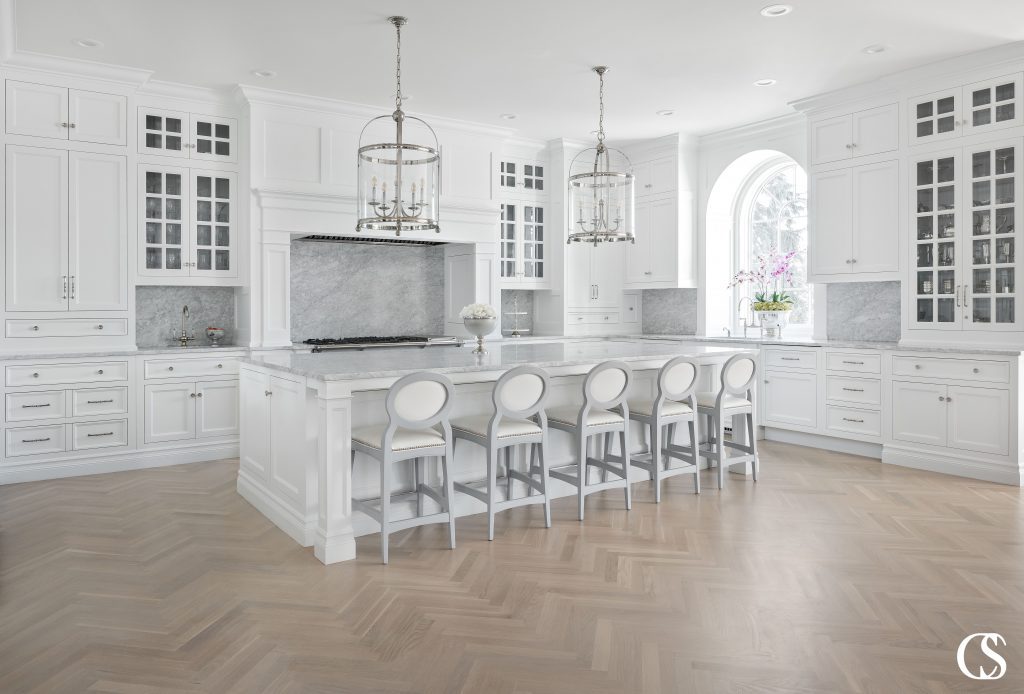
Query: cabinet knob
pixel 35 375
pixel 849 146
pixel 606 317
pixel 100 326
pixel 71 125
pixel 192 395
pixel 767 382
pixel 199 395
pixel 976 370
pixel 35 328
pixel 853 260
pixel 170 368
pixel 63 125
pixel 917 366
pixel 220 366
pixel 848 261
pixel 949 399
pixel 941 398
pixel 100 372
pixel 267 393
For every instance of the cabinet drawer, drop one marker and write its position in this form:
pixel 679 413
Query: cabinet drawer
pixel 852 421
pixel 191 368
pixel 861 363
pixel 958 369
pixel 46 374
pixel 93 401
pixel 791 358
pixel 67 327
pixel 863 391
pixel 48 404
pixel 33 440
pixel 593 318
pixel 86 435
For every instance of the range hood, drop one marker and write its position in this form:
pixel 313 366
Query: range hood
pixel 369 240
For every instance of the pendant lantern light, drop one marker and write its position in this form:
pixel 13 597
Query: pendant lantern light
pixel 601 189
pixel 398 180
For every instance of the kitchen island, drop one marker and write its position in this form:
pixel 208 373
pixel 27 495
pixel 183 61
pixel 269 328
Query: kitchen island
pixel 298 411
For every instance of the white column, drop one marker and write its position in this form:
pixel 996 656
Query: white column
pixel 334 539
pixel 276 289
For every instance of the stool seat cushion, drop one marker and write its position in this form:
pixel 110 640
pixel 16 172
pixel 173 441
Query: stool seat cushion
pixel 569 414
pixel 403 440
pixel 729 402
pixel 506 427
pixel 670 408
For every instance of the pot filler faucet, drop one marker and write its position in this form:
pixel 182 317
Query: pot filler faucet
pixel 184 338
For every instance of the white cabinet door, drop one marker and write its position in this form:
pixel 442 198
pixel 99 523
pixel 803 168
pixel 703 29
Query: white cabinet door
pixel 790 398
pixel 919 413
pixel 212 138
pixel 96 117
pixel 163 221
pixel 607 269
pixel 992 104
pixel 37 229
pixel 287 437
pixel 216 409
pixel 934 250
pixel 638 253
pixel 664 241
pixel 579 291
pixel 831 223
pixel 875 130
pixel 213 242
pixel 37 109
pixel 254 422
pixel 170 412
pixel 876 218
pixel 935 116
pixel 831 139
pixel 98 232
pixel 163 132
pixel 979 419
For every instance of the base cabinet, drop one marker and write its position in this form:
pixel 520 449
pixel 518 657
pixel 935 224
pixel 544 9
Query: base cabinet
pixel 190 410
pixel 273 429
pixel 790 399
pixel 961 417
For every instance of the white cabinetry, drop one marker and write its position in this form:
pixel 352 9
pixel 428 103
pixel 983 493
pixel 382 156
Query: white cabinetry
pixel 595 275
pixel 78 115
pixel 523 242
pixel 959 417
pixel 860 134
pixel 188 135
pixel 66 233
pixel 971 109
pixel 194 398
pixel 790 393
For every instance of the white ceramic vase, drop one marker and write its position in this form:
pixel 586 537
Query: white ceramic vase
pixel 480 327
pixel 772 322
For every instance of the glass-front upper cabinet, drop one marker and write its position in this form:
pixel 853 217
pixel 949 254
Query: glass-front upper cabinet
pixel 934 196
pixel 522 245
pixel 993 104
pixel 165 226
pixel 519 176
pixel 187 135
pixel 935 116
pixel 213 243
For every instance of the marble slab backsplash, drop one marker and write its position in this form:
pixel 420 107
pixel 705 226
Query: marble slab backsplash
pixel 516 301
pixel 158 313
pixel 868 311
pixel 669 311
pixel 358 290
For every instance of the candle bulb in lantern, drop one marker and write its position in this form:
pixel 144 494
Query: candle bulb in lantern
pixel 373 182
pixel 414 193
pixel 423 187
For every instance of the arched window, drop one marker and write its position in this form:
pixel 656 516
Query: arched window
pixel 771 213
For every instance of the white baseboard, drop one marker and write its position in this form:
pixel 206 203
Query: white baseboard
pixel 284 517
pixel 1001 473
pixel 828 443
pixel 114 462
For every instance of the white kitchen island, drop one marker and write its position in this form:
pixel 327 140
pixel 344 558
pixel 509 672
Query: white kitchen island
pixel 298 410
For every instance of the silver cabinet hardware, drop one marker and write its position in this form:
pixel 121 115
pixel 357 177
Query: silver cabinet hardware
pixel 648 273
pixel 790 358
pixel 579 317
pixel 267 393
pixel 199 395
pixel 98 402
pixel 849 146
pixel 853 362
pixel 856 421
pixel 853 260
pixel 35 440
pixel 767 382
pixel 192 395
pixel 170 368
pixel 917 366
pixel 105 433
pixel 35 375
pixel 847 261
pixel 949 399
pixel 853 145
pixel 73 125
pixel 63 125
pixel 72 286
pixel 65 277
pixel 35 328
pixel 100 326
pixel 45 404
pixel 853 390
pixel 607 317
pixel 100 372
pixel 976 370
pixel 220 366
pixel 941 399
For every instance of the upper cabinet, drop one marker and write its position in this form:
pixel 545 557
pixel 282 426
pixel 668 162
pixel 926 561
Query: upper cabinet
pixel 860 134
pixel 77 115
pixel 187 135
pixel 656 177
pixel 966 110
pixel 518 176
pixel 522 244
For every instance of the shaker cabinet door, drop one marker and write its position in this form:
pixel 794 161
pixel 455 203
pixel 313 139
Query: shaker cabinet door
pixel 38 110
pixel 876 218
pixel 98 232
pixel 919 413
pixel 831 223
pixel 979 419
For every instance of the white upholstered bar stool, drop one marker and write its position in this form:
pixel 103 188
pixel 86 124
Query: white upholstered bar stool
pixel 675 403
pixel 604 410
pixel 735 396
pixel 417 407
pixel 519 397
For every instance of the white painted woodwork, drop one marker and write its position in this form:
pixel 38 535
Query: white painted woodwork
pixel 830 232
pixel 47 404
pixel 919 412
pixel 606 273
pixel 216 408
pixel 860 392
pixel 861 134
pixel 830 139
pixel 87 402
pixel 979 419
pixel 287 431
pixel 654 259
pixel 952 368
pixel 97 232
pixel 790 358
pixel 656 177
pixel 850 422
pixel 66 327
pixel 187 135
pixel 935 116
pixel 46 374
pixel 108 434
pixel 170 412
pixel 36 440
pixel 156 368
pixel 212 138
pixel 854 361
pixel 38 110
pixel 36 229
pixel 790 398
pixel 97 118
pixel 254 424
pixel 993 104
pixel 631 304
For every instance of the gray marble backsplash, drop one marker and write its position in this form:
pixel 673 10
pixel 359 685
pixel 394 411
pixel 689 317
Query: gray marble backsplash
pixel 516 301
pixel 355 290
pixel 669 311
pixel 158 313
pixel 868 311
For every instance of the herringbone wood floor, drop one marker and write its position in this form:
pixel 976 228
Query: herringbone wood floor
pixel 832 574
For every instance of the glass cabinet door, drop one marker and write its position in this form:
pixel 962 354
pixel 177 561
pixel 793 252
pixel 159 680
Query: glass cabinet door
pixel 163 132
pixel 936 288
pixel 993 104
pixel 533 177
pixel 994 189
pixel 507 175
pixel 520 175
pixel 212 138
pixel 213 243
pixel 935 116
pixel 507 242
pixel 165 231
pixel 533 242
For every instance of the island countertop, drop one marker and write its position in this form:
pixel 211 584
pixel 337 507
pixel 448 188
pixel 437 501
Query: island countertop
pixel 393 362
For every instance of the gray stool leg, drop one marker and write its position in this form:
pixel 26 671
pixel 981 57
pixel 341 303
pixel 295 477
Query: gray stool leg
pixel 385 506
pixel 511 455
pixel 492 489
pixel 695 446
pixel 449 493
pixel 417 464
pixel 624 443
pixel 533 467
pixel 656 460
pixel 752 437
pixel 606 449
pixel 544 483
pixel 720 454
pixel 583 470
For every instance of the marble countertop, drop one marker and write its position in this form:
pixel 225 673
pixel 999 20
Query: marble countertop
pixel 552 352
pixel 1007 350
pixel 131 352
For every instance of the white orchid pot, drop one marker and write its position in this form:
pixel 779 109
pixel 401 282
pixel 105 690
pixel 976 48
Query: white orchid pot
pixel 772 322
pixel 480 327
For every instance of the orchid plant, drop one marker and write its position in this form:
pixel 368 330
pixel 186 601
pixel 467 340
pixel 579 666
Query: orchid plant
pixel 774 271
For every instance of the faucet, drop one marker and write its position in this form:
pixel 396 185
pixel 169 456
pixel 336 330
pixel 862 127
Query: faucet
pixel 739 313
pixel 184 338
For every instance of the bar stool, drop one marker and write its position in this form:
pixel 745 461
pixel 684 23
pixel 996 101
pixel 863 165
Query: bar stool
pixel 604 389
pixel 519 397
pixel 417 407
pixel 675 402
pixel 734 397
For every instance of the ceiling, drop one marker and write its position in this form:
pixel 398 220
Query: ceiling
pixel 478 59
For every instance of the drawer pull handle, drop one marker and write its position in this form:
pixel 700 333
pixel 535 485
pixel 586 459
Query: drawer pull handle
pixel 35 440
pixel 105 433
pixel 855 421
pixel 45 404
pixel 859 363
pixel 790 358
pixel 854 390
pixel 267 393
pixel 98 402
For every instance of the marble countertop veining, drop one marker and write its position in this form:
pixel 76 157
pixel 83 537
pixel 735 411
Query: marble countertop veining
pixel 553 352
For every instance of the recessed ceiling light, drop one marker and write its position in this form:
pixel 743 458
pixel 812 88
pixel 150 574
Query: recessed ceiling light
pixel 764 83
pixel 508 116
pixel 873 49
pixel 88 43
pixel 264 74
pixel 665 112
pixel 776 10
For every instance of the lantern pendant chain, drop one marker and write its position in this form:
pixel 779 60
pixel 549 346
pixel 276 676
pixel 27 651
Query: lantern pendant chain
pixel 398 22
pixel 600 100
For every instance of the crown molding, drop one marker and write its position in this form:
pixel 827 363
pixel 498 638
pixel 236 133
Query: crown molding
pixel 86 69
pixel 788 124
pixel 186 92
